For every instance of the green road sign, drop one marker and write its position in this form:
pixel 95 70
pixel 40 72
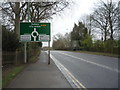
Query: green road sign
pixel 35 32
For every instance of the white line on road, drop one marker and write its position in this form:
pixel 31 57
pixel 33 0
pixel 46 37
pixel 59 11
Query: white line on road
pixel 72 80
pixel 100 65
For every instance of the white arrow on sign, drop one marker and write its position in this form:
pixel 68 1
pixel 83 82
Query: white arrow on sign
pixel 34 36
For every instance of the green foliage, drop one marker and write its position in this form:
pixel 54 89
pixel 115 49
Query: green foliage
pixel 32 45
pixel 98 46
pixel 80 36
pixel 111 46
pixel 10 41
pixel 33 51
pixel 87 42
pixel 108 46
pixel 75 33
pixel 79 32
pixel 80 39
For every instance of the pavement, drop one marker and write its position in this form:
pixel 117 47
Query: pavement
pixel 40 75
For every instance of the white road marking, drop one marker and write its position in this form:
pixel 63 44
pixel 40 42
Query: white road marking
pixel 72 80
pixel 100 65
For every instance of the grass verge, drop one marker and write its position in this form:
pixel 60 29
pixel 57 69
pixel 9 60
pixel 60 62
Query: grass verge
pixel 98 53
pixel 11 74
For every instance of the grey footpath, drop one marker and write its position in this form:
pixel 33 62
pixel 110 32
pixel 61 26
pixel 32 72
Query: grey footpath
pixel 40 75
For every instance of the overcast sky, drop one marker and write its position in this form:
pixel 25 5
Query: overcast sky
pixel 64 23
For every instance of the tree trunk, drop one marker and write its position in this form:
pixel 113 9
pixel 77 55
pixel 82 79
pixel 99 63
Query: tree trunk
pixel 17 26
pixel 17 18
pixel 105 36
pixel 111 29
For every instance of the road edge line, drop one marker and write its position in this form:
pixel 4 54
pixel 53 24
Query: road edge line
pixel 71 79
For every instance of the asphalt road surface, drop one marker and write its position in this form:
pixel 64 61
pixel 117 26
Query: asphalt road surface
pixel 93 71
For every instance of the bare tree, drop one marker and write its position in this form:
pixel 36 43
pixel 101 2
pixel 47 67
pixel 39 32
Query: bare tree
pixel 39 11
pixel 58 41
pixel 13 11
pixel 87 20
pixel 105 18
pixel 119 20
pixel 44 10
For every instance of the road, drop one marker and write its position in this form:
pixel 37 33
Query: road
pixel 92 71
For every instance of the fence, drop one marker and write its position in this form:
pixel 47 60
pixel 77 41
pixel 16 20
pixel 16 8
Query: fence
pixel 15 57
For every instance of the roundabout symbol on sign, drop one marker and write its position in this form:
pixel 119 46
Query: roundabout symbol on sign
pixel 34 34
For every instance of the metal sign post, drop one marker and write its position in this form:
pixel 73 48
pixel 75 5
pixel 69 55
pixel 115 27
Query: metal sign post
pixel 34 32
pixel 25 43
pixel 48 52
pixel 25 52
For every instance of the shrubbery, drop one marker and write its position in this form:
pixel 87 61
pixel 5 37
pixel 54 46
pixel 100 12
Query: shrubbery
pixel 10 41
pixel 11 44
pixel 108 46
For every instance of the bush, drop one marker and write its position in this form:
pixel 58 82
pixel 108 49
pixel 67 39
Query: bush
pixel 87 42
pixel 108 46
pixel 10 41
pixel 33 50
pixel 98 46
